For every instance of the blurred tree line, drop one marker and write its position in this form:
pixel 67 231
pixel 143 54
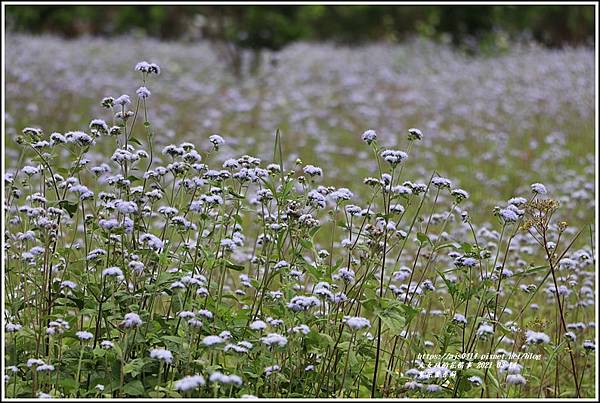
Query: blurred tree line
pixel 272 27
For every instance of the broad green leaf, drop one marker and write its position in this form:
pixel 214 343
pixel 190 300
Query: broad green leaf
pixel 134 388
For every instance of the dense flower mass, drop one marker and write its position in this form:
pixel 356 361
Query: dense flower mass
pixel 149 257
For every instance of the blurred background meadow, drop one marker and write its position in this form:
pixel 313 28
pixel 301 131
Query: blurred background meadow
pixel 503 94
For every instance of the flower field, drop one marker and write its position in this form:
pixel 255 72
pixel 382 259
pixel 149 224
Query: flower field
pixel 380 221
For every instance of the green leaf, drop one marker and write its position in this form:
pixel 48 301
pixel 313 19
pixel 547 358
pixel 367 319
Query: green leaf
pixel 393 319
pixel 530 271
pixel 447 245
pixel 134 367
pixel 286 189
pixel 233 266
pixel 70 207
pixel 318 342
pixel 466 247
pixel 99 352
pixel 452 288
pixel 306 243
pixel 423 238
pixel 156 394
pixel 134 388
pixel 118 350
pixel 495 382
pixel 343 346
pixel 175 339
pixel 68 384
pixel 238 219
pixel 163 259
pixel 236 195
pixel 134 141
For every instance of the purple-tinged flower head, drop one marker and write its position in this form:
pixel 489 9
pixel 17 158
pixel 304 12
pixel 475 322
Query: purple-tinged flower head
pixel 341 194
pixel 258 325
pixel 353 210
pixel 218 377
pixel 369 136
pixel 131 320
pixel 433 388
pixel 195 323
pixel 459 195
pixel 538 188
pixel 186 315
pixel 484 331
pixel 112 272
pixel 210 341
pixel 272 369
pixel 79 138
pixel 459 319
pixel 108 102
pixel 510 367
pixel 412 385
pixel 516 379
pixel 312 170
pixel 323 290
pixel 162 354
pixel 357 323
pixel 508 215
pixel 274 339
pixel 30 170
pixel 143 92
pixel 84 336
pixel 136 266
pixel 189 382
pixel 206 313
pixel 34 362
pixel 57 326
pixel 475 380
pixel 68 284
pixel 13 327
pixel 216 141
pixel 414 134
pixel 123 100
pixel 464 261
pixel 126 207
pixel 344 274
pixel 532 337
pixel 235 347
pixel 304 329
pixel 149 68
pixel 57 138
pixel 107 344
pixel 45 368
pixel 316 199
pixel 152 241
pixel 34 132
pixel 394 157
pixel 99 126
pixel 441 183
pixel 303 303
pixel 517 201
pixel 142 66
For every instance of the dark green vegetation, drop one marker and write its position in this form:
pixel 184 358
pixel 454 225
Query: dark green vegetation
pixel 276 26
